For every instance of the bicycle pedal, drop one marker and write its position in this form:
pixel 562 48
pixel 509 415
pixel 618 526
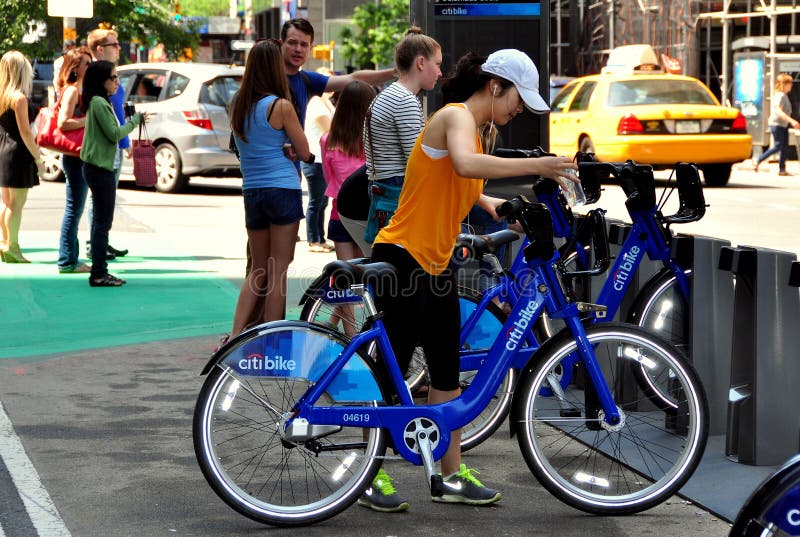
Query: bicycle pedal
pixel 437 487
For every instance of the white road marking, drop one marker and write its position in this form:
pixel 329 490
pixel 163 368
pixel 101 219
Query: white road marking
pixel 41 509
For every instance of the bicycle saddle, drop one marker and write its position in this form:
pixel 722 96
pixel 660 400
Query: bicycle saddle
pixel 470 246
pixel 343 274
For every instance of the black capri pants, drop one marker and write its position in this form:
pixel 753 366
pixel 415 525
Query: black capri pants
pixel 420 309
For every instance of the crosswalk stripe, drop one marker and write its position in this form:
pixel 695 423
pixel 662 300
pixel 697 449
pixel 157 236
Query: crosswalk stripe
pixel 40 507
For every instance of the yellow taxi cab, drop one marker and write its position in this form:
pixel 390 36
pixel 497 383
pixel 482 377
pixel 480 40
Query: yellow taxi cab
pixel 651 117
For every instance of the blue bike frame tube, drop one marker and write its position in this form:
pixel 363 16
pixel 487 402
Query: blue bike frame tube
pixel 622 271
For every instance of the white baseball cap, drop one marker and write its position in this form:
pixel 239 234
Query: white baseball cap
pixel 516 67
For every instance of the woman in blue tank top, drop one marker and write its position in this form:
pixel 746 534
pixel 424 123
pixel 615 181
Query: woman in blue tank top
pixel 264 122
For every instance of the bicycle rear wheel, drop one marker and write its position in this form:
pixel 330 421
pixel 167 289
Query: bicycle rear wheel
pixel 661 309
pixel 489 326
pixel 596 467
pixel 240 420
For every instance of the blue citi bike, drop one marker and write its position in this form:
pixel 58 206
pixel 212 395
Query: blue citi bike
pixel 773 509
pixel 661 306
pixel 294 418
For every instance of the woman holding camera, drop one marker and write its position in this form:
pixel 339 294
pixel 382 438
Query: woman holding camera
pixel 99 155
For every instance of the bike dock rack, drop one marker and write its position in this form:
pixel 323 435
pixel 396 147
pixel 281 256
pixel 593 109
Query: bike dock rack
pixel 711 320
pixel 763 421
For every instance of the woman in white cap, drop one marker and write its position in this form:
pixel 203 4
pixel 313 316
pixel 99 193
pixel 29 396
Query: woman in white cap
pixel 444 179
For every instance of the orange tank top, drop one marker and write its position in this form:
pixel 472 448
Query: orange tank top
pixel 433 202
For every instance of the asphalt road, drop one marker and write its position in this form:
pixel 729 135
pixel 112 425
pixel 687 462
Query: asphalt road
pixel 108 431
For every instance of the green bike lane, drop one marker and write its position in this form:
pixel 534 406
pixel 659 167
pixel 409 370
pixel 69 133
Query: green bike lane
pixel 100 387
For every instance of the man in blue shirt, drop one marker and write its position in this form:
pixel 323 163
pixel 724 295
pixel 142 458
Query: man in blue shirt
pixel 297 38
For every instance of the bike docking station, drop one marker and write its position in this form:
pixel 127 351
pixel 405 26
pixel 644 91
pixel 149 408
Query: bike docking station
pixel 711 320
pixel 763 422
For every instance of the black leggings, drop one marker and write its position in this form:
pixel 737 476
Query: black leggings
pixel 420 309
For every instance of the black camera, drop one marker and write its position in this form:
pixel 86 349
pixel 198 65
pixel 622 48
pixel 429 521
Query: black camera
pixel 129 108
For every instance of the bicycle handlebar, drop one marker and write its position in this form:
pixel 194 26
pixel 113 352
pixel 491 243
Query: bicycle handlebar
pixel 591 183
pixel 537 222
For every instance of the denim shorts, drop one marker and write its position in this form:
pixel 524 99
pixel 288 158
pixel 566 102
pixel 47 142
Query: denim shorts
pixel 266 206
pixel 337 232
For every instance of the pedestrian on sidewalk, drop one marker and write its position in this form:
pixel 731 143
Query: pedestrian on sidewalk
pixel 99 155
pixel 264 120
pixel 20 160
pixel 104 45
pixel 318 122
pixel 779 121
pixel 70 117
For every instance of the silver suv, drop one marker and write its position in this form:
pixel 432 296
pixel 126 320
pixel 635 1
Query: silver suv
pixel 188 118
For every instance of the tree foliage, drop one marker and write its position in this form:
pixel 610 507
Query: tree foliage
pixel 378 28
pixel 148 21
pixel 206 8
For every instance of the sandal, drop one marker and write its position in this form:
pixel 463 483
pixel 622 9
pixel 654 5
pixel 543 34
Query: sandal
pixel 222 341
pixel 106 281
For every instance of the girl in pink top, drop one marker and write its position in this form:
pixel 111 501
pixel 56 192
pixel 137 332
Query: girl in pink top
pixel 343 153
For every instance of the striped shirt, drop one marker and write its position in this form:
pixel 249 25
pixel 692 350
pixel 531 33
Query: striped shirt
pixel 396 121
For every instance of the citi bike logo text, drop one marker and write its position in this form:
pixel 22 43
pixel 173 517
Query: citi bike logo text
pixel 331 294
pixel 793 517
pixel 257 362
pixel 515 334
pixel 624 271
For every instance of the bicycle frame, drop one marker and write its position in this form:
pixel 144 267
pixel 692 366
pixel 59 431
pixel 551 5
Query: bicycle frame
pixel 543 294
pixel 647 236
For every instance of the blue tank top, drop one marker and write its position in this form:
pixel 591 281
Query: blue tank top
pixel 262 160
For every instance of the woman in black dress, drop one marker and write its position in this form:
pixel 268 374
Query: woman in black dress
pixel 20 161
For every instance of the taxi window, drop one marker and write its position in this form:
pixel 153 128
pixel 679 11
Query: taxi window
pixel 657 91
pixel 582 96
pixel 560 100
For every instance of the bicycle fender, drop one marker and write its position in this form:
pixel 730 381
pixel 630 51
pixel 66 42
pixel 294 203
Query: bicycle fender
pixel 225 349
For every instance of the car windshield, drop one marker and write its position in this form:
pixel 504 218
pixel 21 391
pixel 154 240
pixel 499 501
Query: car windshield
pixel 657 91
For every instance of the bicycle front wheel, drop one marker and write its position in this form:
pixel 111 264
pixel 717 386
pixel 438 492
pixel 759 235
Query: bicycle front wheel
pixel 240 421
pixel 611 469
pixel 771 510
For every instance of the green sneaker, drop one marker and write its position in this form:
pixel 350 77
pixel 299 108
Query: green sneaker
pixel 382 496
pixel 463 487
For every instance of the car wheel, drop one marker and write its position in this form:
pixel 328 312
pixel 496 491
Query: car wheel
pixel 716 174
pixel 168 167
pixel 52 165
pixel 586 145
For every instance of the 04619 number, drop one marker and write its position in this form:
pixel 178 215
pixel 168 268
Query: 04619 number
pixel 356 418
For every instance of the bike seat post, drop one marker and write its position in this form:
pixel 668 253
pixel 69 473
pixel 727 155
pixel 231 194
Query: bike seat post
pixel 426 453
pixel 497 268
pixel 369 304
